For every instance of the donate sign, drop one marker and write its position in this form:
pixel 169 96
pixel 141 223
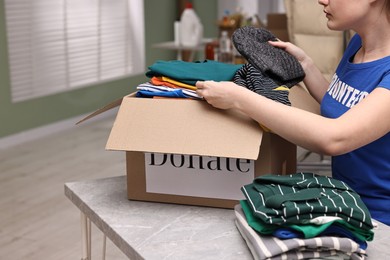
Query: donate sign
pixel 197 176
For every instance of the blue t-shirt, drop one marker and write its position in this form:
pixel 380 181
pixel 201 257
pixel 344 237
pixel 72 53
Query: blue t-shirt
pixel 367 169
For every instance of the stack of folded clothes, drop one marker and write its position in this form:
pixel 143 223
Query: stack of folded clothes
pixel 269 72
pixel 303 216
pixel 177 78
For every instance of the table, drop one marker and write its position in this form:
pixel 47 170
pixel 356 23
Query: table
pixel 147 230
pixel 179 48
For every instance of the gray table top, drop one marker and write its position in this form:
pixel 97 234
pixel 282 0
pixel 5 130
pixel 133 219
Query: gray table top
pixel 148 230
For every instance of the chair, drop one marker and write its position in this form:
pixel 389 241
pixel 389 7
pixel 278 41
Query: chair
pixel 307 29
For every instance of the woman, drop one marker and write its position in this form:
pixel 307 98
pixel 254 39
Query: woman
pixel 355 122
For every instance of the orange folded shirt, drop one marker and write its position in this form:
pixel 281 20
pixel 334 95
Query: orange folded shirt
pixel 165 81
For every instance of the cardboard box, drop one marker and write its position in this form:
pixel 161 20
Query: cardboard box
pixel 277 24
pixel 202 145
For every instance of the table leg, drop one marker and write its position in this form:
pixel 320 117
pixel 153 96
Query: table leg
pixel 104 247
pixel 85 237
pixel 89 239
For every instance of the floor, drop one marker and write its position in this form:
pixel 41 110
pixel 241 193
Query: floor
pixel 36 220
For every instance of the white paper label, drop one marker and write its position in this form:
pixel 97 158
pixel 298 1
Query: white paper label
pixel 197 176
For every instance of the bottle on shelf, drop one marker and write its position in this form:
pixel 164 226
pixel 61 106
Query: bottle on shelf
pixel 225 48
pixel 211 50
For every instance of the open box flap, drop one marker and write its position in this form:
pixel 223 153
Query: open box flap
pixel 183 127
pixel 107 107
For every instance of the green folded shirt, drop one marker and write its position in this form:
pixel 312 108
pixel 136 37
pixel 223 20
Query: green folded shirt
pixel 307 230
pixel 300 197
pixel 191 72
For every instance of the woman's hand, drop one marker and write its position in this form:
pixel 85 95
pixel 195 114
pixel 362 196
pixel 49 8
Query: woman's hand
pixel 294 50
pixel 314 80
pixel 219 94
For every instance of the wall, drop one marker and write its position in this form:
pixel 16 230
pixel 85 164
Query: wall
pixel 22 116
pixel 252 7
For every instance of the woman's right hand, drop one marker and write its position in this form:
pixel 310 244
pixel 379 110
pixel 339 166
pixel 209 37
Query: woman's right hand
pixel 314 80
pixel 294 50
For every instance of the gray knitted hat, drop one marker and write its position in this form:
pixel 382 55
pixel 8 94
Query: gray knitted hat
pixel 279 65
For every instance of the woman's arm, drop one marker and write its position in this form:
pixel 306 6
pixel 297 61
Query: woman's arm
pixel 314 79
pixel 362 124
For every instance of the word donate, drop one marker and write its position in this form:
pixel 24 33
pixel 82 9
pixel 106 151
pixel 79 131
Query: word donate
pixel 201 163
pixel 198 176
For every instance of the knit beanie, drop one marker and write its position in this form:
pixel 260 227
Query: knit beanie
pixel 279 65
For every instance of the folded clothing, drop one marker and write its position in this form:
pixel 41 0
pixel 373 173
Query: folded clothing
pixel 337 227
pixel 149 90
pixel 191 72
pixel 298 198
pixel 269 247
pixel 165 81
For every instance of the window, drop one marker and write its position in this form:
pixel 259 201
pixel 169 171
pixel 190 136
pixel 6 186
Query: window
pixel 59 45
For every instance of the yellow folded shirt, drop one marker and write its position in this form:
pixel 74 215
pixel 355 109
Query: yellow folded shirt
pixel 178 83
